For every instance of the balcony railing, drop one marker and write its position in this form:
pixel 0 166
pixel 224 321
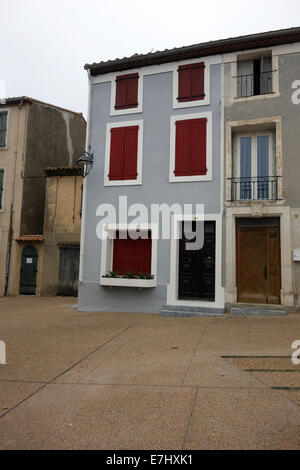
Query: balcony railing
pixel 254 84
pixel 254 189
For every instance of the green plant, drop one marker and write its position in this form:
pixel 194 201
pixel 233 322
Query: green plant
pixel 112 274
pixel 130 275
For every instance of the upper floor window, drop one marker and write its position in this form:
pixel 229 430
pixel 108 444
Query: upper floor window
pixel 3 128
pixel 127 91
pixel 254 77
pixel 123 156
pixel 191 82
pixel 190 147
pixel 1 187
pixel 254 167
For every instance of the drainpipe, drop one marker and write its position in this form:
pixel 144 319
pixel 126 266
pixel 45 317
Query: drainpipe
pixel 10 231
pixel 83 217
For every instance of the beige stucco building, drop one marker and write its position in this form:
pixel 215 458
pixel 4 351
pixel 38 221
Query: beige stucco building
pixel 60 266
pixel 262 168
pixel 33 135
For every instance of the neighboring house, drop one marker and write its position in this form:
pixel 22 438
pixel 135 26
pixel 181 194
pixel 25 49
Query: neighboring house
pixel 262 121
pixel 62 222
pixel 33 135
pixel 211 124
pixel 155 130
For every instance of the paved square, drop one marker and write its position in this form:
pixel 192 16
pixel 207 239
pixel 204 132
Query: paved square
pixel 76 380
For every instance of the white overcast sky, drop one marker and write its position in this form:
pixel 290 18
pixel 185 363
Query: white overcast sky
pixel 45 43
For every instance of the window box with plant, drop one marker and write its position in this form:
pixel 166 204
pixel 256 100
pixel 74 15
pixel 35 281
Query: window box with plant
pixel 129 262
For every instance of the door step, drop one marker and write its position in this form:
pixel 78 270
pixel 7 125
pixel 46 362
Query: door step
pixel 178 311
pixel 265 311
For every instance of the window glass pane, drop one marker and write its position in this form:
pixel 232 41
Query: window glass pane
pixel 2 138
pixel 245 161
pixel 263 166
pixel 1 186
pixel 3 119
pixel 266 77
pixel 245 78
pixel 245 167
pixel 263 155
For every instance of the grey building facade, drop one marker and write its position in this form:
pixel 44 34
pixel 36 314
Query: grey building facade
pixel 156 114
pixel 262 142
pixel 241 95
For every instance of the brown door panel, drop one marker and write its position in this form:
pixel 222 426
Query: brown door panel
pixel 258 265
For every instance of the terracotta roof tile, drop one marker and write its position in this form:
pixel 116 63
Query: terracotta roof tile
pixel 30 238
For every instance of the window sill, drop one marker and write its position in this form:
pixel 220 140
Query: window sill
pixel 190 104
pixel 256 97
pixel 189 179
pixel 136 182
pixel 122 282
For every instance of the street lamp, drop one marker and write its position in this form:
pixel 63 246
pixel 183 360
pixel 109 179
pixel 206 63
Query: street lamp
pixel 87 159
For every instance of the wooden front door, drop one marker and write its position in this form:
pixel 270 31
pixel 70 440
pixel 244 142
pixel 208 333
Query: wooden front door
pixel 68 271
pixel 197 268
pixel 258 264
pixel 28 270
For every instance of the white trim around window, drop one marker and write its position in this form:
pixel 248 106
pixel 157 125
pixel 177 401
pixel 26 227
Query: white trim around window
pixel 185 179
pixel 6 110
pixel 188 104
pixel 139 108
pixel 172 289
pixel 138 180
pixel 107 250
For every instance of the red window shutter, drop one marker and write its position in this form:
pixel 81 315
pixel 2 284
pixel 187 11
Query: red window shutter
pixel 190 147
pixel 184 84
pixel 127 91
pixel 132 255
pixel 123 153
pixel 182 148
pixel 191 82
pixel 198 147
pixel 116 153
pixel 130 152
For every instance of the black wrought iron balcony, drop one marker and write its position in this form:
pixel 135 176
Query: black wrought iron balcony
pixel 254 189
pixel 254 84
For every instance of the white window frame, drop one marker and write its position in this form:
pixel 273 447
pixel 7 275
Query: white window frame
pixel 139 108
pixel 233 59
pixel 237 157
pixel 172 289
pixel 188 104
pixel 3 192
pixel 107 250
pixel 185 179
pixel 139 179
pixel 6 110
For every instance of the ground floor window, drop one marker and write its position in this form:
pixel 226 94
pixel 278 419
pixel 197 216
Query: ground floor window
pixel 129 256
pixel 132 256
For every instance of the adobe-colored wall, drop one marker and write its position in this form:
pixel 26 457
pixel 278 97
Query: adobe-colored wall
pixel 54 138
pixel 61 226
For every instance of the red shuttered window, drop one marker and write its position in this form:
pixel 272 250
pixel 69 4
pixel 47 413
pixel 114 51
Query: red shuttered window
pixel 127 91
pixel 123 153
pixel 132 255
pixel 191 82
pixel 190 147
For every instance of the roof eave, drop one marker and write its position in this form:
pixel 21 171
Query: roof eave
pixel 222 46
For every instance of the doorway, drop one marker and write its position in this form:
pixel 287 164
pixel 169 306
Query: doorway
pixel 68 270
pixel 197 267
pixel 258 260
pixel 28 270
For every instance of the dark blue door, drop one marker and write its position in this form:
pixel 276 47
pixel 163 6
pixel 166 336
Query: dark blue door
pixel 28 270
